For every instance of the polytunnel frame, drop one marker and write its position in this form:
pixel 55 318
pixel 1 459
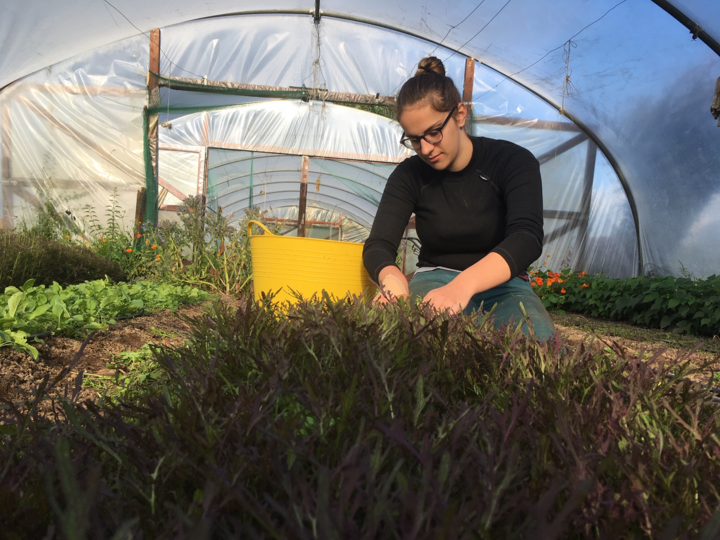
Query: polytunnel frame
pixel 354 214
pixel 157 80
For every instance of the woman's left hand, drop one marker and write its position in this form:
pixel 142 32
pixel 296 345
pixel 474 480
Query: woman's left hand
pixel 449 297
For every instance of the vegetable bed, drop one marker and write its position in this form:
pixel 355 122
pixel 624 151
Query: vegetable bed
pixel 339 420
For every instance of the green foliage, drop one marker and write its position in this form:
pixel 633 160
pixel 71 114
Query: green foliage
pixel 26 257
pixel 205 249
pixel 49 224
pixel 340 420
pixel 111 241
pixel 674 304
pixel 78 309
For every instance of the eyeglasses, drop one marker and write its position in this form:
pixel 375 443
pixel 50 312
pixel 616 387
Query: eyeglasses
pixel 432 136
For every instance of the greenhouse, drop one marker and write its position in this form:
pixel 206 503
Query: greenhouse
pixel 242 105
pixel 320 269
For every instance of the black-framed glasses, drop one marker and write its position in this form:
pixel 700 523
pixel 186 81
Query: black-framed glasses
pixel 432 136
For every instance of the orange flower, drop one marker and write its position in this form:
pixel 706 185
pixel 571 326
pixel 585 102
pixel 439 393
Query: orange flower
pixel 584 285
pixel 129 250
pixel 539 281
pixel 147 241
pixel 67 236
pixel 158 258
pixel 82 235
pixel 562 291
pixel 153 247
pixel 86 243
pixel 582 274
pixel 139 235
pixel 104 240
pixel 547 255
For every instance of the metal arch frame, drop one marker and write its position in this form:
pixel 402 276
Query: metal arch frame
pixel 244 175
pixel 696 30
pixel 591 135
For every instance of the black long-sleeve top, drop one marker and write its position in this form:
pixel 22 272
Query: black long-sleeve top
pixel 493 205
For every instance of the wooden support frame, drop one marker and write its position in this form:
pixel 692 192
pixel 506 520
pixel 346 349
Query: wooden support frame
pixel 468 92
pixel 153 121
pixel 303 93
pixel 526 123
pixel 304 171
pixel 562 148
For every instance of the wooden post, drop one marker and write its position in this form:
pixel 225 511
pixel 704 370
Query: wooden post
pixel 468 92
pixel 154 66
pixel 151 195
pixel 303 194
pixel 140 209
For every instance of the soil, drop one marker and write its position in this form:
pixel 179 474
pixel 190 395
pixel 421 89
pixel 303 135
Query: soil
pixel 657 347
pixel 20 374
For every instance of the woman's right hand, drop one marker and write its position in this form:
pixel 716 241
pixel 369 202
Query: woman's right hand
pixel 393 285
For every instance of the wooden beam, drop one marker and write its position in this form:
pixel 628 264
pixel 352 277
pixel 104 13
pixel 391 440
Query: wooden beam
pixel 139 209
pixel 154 67
pixel 172 189
pixel 151 195
pixel 256 90
pixel 468 92
pixel 303 195
pixel 562 148
pixel 526 123
pixel 161 197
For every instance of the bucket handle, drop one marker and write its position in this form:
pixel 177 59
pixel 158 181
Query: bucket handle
pixel 259 224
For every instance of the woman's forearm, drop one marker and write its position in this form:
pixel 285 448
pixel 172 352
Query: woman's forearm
pixel 488 272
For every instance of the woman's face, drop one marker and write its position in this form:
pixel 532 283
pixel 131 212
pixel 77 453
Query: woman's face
pixel 423 117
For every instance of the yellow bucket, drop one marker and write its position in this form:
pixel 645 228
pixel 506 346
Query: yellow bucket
pixel 306 266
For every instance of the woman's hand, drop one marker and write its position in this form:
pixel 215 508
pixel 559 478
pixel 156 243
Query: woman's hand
pixel 452 297
pixel 393 285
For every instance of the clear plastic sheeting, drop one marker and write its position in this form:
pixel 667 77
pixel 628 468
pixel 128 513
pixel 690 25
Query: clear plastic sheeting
pixel 270 182
pixel 628 72
pixel 588 221
pixel 284 50
pixel 292 127
pixel 72 134
pixel 179 176
pixel 252 49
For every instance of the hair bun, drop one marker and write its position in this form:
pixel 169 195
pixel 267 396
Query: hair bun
pixel 430 64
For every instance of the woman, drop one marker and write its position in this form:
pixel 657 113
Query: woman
pixel 478 211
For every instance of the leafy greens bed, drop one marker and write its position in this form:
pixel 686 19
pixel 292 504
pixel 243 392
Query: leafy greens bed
pixel 346 421
pixel 78 309
pixel 676 304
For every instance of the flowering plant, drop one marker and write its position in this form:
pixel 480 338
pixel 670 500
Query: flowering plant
pixel 554 288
